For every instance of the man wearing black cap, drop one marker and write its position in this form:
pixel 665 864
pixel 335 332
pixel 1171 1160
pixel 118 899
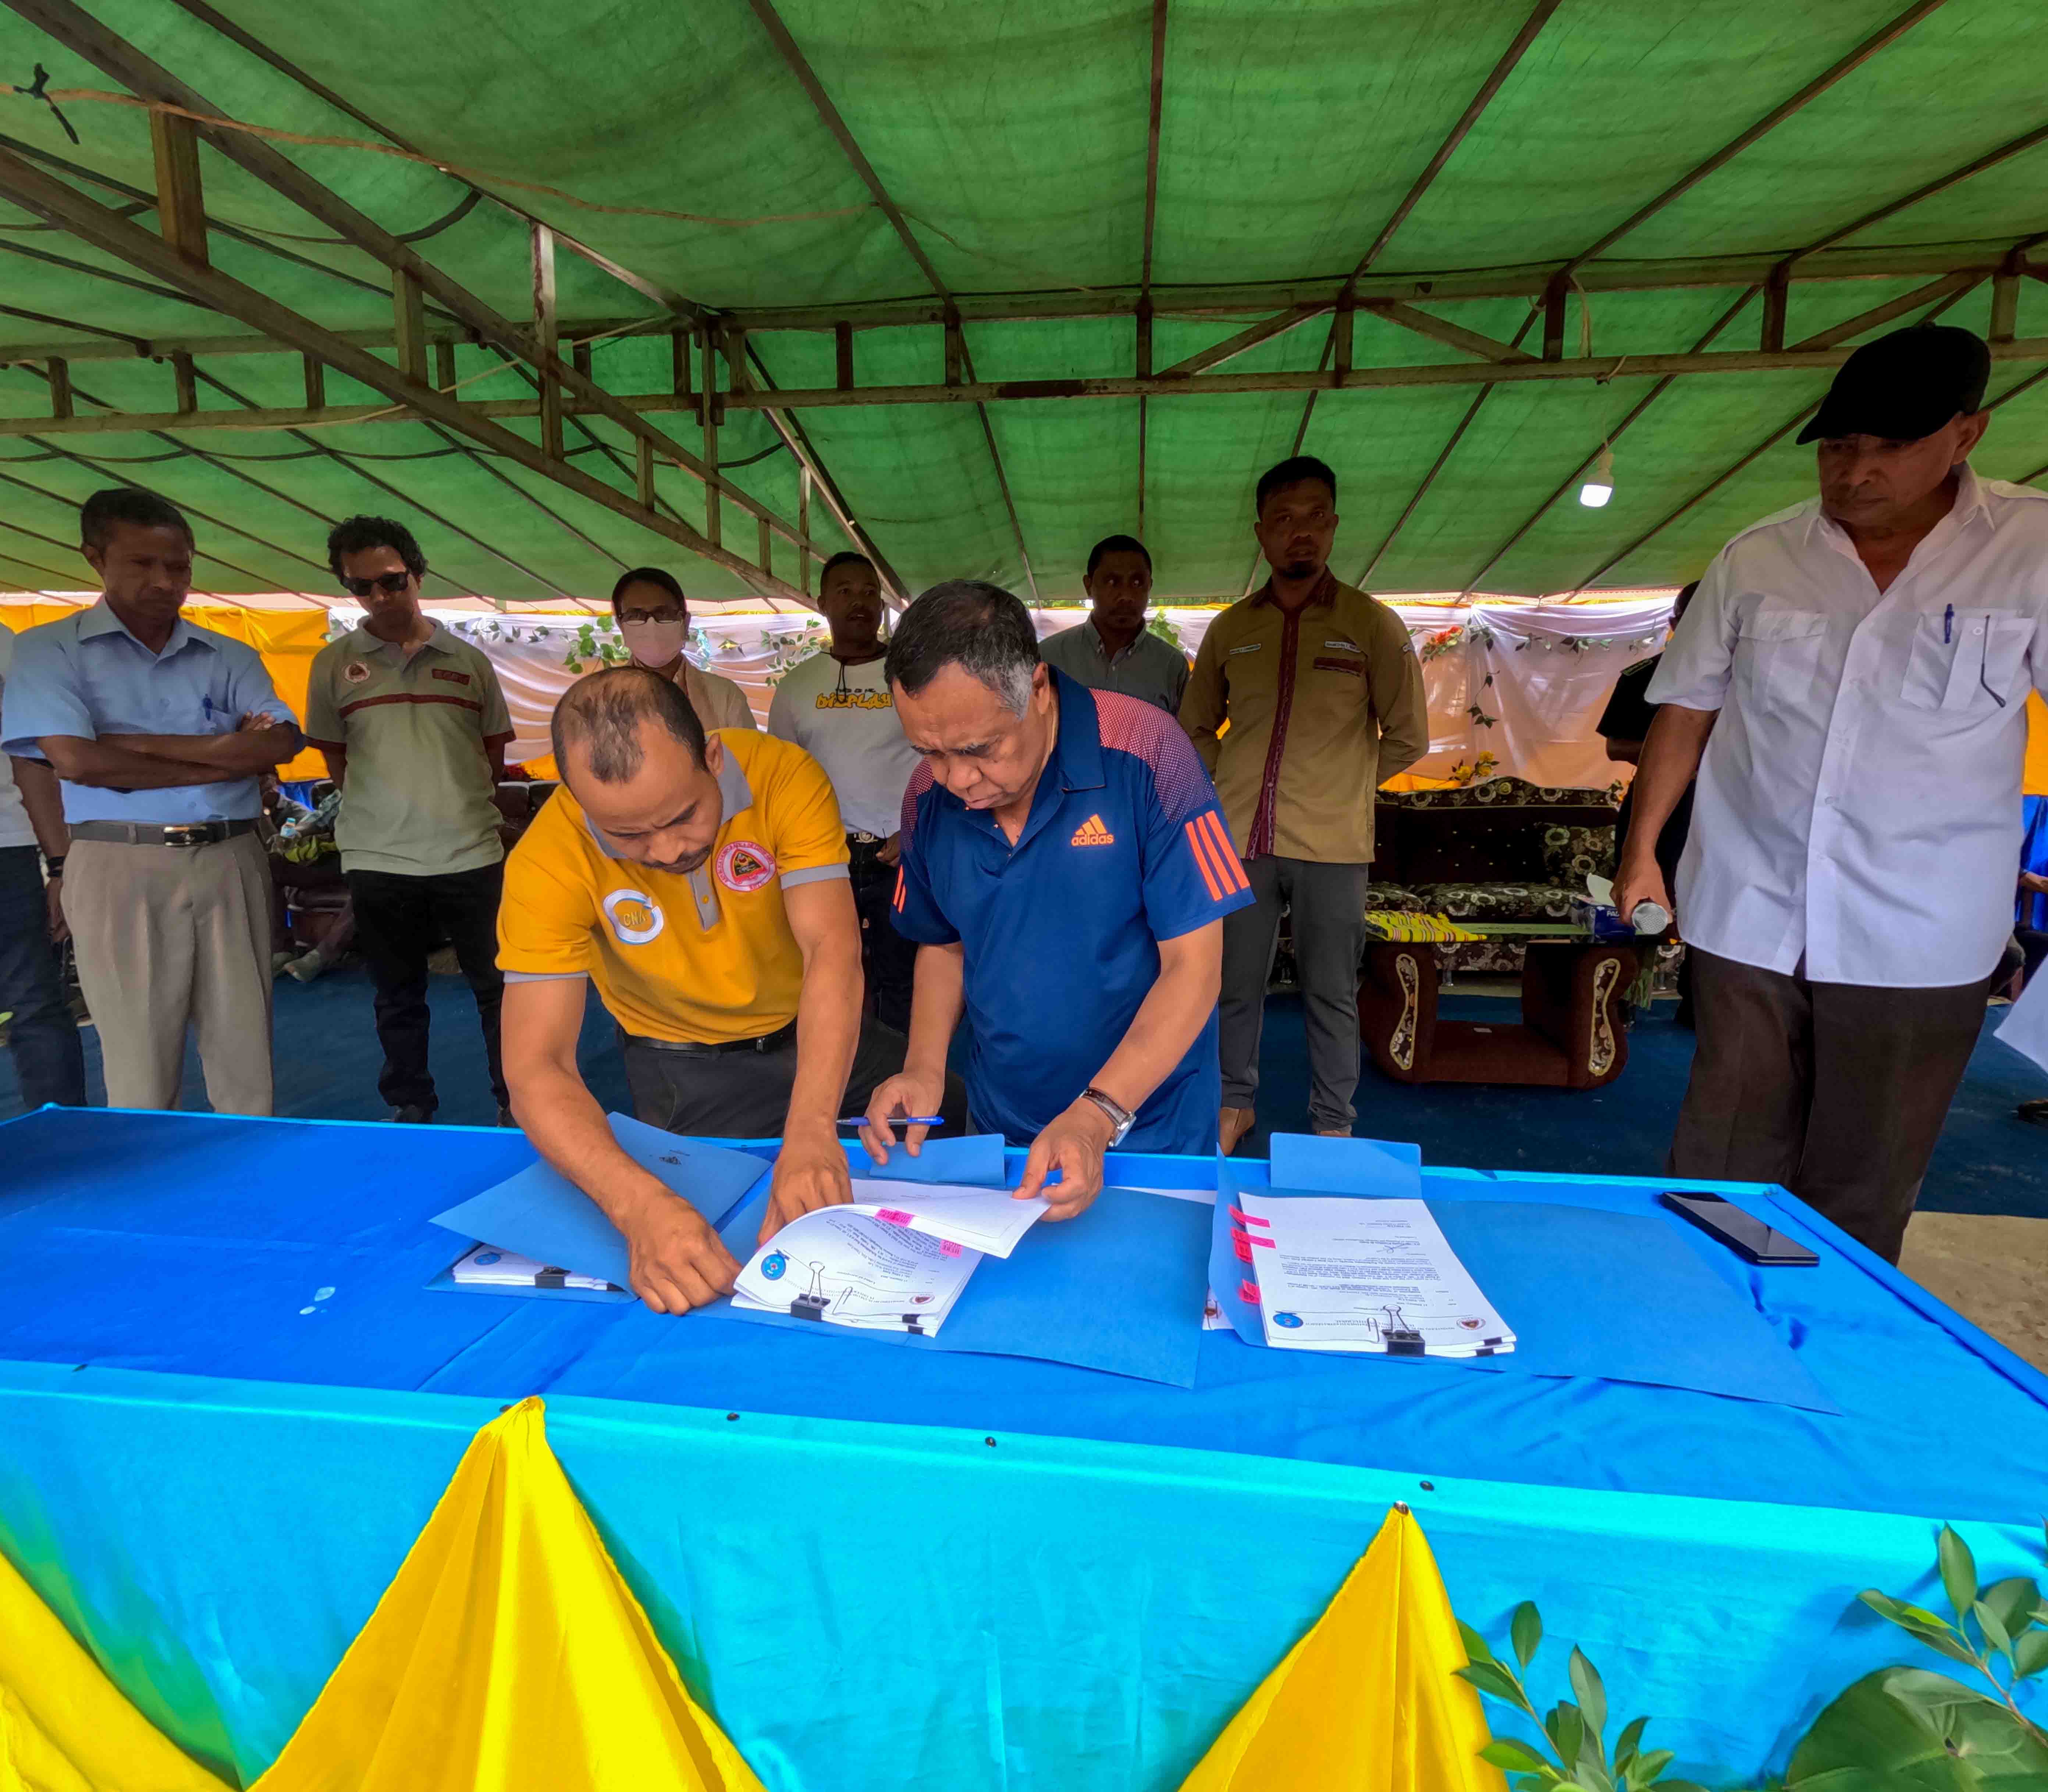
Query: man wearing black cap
pixel 1850 684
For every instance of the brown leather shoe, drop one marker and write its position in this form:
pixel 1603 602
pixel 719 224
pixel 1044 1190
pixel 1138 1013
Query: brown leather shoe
pixel 1232 1124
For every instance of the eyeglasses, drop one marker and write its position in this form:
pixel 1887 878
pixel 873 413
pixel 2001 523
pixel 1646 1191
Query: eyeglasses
pixel 390 583
pixel 654 616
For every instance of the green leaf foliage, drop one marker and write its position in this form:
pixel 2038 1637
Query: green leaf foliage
pixel 1515 1757
pixel 1647 1767
pixel 2030 1653
pixel 1525 1630
pixel 1886 1734
pixel 1994 1631
pixel 1937 1633
pixel 1959 1570
pixel 1566 1728
pixel 1477 1648
pixel 1628 1742
pixel 1593 1694
pixel 2012 1602
pixel 1490 1677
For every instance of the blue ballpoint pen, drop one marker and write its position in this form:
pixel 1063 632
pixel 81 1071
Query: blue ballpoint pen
pixel 1948 625
pixel 898 1120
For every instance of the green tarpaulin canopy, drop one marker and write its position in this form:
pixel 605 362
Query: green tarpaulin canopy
pixel 1082 185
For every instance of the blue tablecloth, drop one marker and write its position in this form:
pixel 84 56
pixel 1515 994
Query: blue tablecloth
pixel 219 1432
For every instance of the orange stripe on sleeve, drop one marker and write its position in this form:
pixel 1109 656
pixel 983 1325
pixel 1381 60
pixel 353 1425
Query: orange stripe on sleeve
pixel 1233 871
pixel 1203 851
pixel 899 890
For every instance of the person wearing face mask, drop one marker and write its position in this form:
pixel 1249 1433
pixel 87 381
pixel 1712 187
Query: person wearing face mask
pixel 653 619
pixel 413 724
pixel 700 882
pixel 1319 691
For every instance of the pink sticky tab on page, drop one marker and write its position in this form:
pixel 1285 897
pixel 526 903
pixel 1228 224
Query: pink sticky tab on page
pixel 1244 1218
pixel 1248 1292
pixel 895 1216
pixel 1263 1243
pixel 948 1248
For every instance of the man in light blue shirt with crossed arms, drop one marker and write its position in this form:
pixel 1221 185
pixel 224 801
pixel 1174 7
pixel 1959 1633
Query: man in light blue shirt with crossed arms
pixel 158 731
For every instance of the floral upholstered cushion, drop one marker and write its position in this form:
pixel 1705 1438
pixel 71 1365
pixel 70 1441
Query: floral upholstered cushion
pixel 1395 896
pixel 1501 792
pixel 1572 854
pixel 1501 902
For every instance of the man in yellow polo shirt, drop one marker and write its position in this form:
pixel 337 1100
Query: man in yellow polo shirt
pixel 701 883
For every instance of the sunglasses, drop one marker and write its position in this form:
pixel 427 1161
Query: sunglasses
pixel 390 583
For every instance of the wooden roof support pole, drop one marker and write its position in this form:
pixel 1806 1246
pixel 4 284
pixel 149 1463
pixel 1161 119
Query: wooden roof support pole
pixel 712 410
pixel 60 377
pixel 2005 298
pixel 108 231
pixel 804 526
pixel 79 31
pixel 1776 291
pixel 408 316
pixel 545 340
pixel 180 204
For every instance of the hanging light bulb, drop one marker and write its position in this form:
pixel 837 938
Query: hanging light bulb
pixel 1600 483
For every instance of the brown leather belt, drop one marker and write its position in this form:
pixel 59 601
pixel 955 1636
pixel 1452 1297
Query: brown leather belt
pixel 691 1048
pixel 160 833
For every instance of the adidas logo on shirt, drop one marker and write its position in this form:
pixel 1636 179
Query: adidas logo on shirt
pixel 1091 832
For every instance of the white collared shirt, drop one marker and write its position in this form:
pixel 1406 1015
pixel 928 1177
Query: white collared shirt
pixel 1858 801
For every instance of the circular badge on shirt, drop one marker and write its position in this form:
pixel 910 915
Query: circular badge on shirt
pixel 356 672
pixel 745 865
pixel 635 917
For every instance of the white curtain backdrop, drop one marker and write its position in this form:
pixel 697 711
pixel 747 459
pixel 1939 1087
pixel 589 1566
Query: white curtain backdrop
pixel 1513 687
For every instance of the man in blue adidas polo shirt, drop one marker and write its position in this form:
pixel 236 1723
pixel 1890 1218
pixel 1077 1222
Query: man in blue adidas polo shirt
pixel 1066 871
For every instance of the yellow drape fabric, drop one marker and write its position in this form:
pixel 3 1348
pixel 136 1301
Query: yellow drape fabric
pixel 64 1726
pixel 507 1653
pixel 1369 1699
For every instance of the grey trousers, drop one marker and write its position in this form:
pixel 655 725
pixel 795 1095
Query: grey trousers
pixel 1328 902
pixel 1836 1090
pixel 746 1095
pixel 166 935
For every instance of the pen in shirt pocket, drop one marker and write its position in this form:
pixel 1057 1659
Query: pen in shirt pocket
pixel 1948 625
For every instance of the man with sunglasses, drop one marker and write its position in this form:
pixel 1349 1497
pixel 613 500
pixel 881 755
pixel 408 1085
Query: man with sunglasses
pixel 414 726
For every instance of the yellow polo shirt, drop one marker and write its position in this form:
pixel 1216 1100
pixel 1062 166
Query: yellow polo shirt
pixel 704 957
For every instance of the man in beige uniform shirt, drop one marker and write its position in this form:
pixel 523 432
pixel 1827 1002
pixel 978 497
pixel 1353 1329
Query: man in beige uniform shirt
pixel 653 619
pixel 414 726
pixel 1323 695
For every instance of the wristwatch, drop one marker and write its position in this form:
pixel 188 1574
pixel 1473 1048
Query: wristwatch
pixel 53 866
pixel 1120 1117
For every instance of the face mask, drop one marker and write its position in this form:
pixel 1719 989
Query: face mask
pixel 653 644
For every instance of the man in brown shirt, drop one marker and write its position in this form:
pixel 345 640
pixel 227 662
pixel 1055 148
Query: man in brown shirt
pixel 1323 697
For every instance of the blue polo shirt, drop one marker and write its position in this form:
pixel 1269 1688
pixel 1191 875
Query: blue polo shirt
pixel 86 675
pixel 1124 846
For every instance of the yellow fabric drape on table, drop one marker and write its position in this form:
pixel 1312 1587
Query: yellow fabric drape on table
pixel 1369 1699
pixel 64 1726
pixel 507 1653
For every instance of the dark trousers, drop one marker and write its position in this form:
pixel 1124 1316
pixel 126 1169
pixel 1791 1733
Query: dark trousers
pixel 1836 1090
pixel 398 920
pixel 42 1038
pixel 1328 904
pixel 745 1094
pixel 887 960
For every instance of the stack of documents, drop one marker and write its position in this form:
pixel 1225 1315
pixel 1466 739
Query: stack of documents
pixel 896 1261
pixel 485 1266
pixel 1334 1273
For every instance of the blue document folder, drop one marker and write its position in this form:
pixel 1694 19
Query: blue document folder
pixel 1622 1297
pixel 539 1213
pixel 1119 1288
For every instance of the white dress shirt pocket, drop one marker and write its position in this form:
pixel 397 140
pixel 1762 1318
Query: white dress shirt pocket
pixel 1970 660
pixel 1777 654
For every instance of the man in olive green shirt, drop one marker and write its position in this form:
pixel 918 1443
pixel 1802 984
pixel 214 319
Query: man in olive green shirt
pixel 1323 697
pixel 413 725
